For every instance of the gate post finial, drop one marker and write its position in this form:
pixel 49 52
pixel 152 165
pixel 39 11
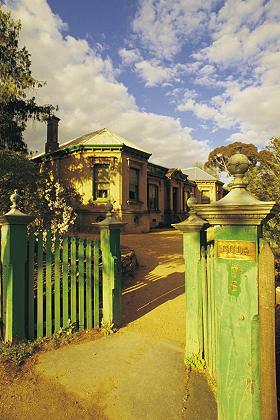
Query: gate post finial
pixel 14 260
pixel 110 229
pixel 194 238
pixel 245 381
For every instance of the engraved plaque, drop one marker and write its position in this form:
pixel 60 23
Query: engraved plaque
pixel 236 250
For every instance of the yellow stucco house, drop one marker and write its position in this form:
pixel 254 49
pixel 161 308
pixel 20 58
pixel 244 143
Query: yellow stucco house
pixel 103 165
pixel 208 188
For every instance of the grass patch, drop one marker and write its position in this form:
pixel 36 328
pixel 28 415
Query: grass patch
pixel 64 334
pixel 107 328
pixel 195 362
pixel 17 353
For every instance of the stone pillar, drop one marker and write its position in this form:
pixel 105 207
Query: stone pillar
pixel 14 263
pixel 194 238
pixel 243 384
pixel 111 267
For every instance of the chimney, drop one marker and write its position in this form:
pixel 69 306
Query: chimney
pixel 52 135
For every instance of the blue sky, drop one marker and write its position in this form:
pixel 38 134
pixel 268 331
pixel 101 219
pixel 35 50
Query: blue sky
pixel 178 77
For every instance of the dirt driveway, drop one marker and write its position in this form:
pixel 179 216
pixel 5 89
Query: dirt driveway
pixel 137 373
pixel 154 302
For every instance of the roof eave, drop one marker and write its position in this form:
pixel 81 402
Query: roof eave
pixel 82 147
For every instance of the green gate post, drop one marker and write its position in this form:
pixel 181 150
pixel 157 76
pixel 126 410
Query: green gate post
pixel 194 237
pixel 14 263
pixel 242 379
pixel 111 267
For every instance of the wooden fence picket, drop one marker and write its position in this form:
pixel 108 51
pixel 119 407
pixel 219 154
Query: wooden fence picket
pixel 48 284
pixel 40 303
pixel 65 284
pixel 213 310
pixel 96 296
pixel 81 285
pixel 88 285
pixel 204 304
pixel 73 280
pixel 50 280
pixel 30 287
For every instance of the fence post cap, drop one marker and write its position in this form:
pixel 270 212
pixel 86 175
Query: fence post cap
pixel 239 206
pixel 110 222
pixel 15 216
pixel 193 222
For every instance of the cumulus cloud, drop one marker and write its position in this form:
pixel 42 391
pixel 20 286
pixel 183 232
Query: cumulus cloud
pixel 253 110
pixel 164 26
pixel 239 59
pixel 129 56
pixel 245 40
pixel 86 88
pixel 153 73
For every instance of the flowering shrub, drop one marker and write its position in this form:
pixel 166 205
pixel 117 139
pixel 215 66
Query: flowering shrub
pixel 51 203
pixel 56 208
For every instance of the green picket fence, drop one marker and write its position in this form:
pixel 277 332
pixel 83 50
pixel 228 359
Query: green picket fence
pixel 209 309
pixel 63 283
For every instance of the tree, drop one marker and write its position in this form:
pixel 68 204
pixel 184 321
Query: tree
pixel 263 182
pixel 219 157
pixel 263 176
pixel 17 106
pixel 50 202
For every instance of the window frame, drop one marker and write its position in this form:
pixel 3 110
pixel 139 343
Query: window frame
pixel 96 182
pixel 137 184
pixel 156 207
pixel 205 196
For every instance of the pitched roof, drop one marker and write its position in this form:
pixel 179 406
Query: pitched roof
pixel 197 174
pixel 95 139
pixel 176 174
pixel 102 137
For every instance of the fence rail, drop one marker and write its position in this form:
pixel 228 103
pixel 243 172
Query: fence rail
pixel 63 283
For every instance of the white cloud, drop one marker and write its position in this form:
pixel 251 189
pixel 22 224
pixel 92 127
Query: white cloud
pixel 256 109
pixel 240 31
pixel 201 110
pixel 227 49
pixel 153 73
pixel 164 26
pixel 85 87
pixel 235 13
pixel 253 109
pixel 245 41
pixel 129 56
pixel 243 38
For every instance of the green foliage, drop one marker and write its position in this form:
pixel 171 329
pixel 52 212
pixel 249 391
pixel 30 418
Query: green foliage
pixel 263 176
pixel 107 328
pixel 16 82
pixel 17 353
pixel 17 172
pixel 67 330
pixel 64 334
pixel 50 203
pixel 218 158
pixel 195 362
pixel 263 182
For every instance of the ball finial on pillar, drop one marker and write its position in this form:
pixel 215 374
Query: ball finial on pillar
pixel 238 165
